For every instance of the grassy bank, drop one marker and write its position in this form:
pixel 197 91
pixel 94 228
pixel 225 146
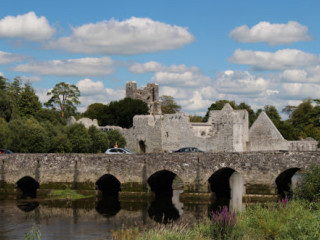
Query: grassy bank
pixel 283 220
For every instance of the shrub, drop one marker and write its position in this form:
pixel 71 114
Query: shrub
pixel 309 185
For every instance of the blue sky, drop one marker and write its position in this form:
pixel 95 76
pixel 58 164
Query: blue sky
pixel 258 52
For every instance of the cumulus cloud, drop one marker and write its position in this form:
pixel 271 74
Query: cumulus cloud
pixel 27 26
pixel 240 83
pixel 131 36
pixel 299 91
pixel 153 66
pixel 95 92
pixel 306 75
pixel 273 34
pixel 7 58
pixel 71 67
pixel 30 79
pixel 280 60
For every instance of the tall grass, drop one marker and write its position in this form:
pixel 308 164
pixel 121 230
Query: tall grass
pixel 283 220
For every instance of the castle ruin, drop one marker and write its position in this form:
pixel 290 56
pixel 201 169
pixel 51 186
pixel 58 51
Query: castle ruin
pixel 226 130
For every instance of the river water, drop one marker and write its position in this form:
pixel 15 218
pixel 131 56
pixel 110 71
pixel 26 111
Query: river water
pixel 92 219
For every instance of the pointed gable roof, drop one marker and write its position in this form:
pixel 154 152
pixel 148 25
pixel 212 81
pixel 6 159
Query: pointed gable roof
pixel 263 127
pixel 227 108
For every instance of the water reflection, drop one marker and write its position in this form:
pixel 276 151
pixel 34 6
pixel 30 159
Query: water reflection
pixel 108 206
pixel 162 210
pixel 27 206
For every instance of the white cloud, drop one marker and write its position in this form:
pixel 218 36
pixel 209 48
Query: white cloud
pixel 306 75
pixel 240 83
pixel 131 36
pixel 89 87
pixel 71 67
pixel 95 92
pixel 6 58
pixel 153 66
pixel 1 74
pixel 273 34
pixel 280 60
pixel 27 26
pixel 184 79
pixel 299 91
pixel 30 79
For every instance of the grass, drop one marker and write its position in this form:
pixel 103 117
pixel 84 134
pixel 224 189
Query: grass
pixel 68 194
pixel 282 220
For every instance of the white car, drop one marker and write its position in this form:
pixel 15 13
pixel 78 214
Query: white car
pixel 117 151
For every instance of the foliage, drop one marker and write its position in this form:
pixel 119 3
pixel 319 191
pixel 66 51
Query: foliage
pixel 28 101
pixel 169 105
pixel 94 111
pixel 34 234
pixel 194 118
pixel 79 138
pixel 99 140
pixel 3 133
pixel 27 136
pixel 308 187
pixel 121 113
pixel 114 137
pixel 64 96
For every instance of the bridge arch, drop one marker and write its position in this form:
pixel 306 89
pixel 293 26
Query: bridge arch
pixel 27 187
pixel 284 182
pixel 161 182
pixel 109 185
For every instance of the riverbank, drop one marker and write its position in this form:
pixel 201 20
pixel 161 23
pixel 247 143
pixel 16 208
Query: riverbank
pixel 282 220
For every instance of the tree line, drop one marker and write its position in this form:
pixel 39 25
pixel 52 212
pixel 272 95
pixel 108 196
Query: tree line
pixel 28 127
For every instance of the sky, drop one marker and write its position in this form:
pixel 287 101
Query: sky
pixel 257 52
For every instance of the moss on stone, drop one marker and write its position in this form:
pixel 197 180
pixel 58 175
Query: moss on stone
pixel 68 193
pixel 263 189
pixel 132 187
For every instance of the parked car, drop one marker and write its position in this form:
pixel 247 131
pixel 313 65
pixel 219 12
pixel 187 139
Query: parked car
pixel 5 151
pixel 117 151
pixel 189 149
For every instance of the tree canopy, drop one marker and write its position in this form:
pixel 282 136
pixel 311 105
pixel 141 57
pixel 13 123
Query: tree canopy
pixel 64 96
pixel 117 113
pixel 169 105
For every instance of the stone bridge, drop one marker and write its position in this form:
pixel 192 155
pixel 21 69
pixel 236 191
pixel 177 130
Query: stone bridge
pixel 199 174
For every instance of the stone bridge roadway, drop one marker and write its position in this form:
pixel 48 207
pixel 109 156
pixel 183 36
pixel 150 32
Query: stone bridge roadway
pixel 251 173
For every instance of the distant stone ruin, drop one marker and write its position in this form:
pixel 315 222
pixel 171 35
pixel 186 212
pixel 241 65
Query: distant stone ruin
pixel 149 94
pixel 226 130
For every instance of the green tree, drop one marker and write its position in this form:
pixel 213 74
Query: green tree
pixel 28 102
pixel 115 137
pixel 309 185
pixel 79 138
pixel 169 105
pixel 27 136
pixel 194 118
pixel 61 143
pixel 3 133
pixel 95 111
pixel 64 96
pixel 121 113
pixel 99 140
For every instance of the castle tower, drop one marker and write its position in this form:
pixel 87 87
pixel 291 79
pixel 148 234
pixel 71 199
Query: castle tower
pixel 149 94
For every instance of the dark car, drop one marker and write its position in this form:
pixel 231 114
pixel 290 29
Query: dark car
pixel 5 151
pixel 189 149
